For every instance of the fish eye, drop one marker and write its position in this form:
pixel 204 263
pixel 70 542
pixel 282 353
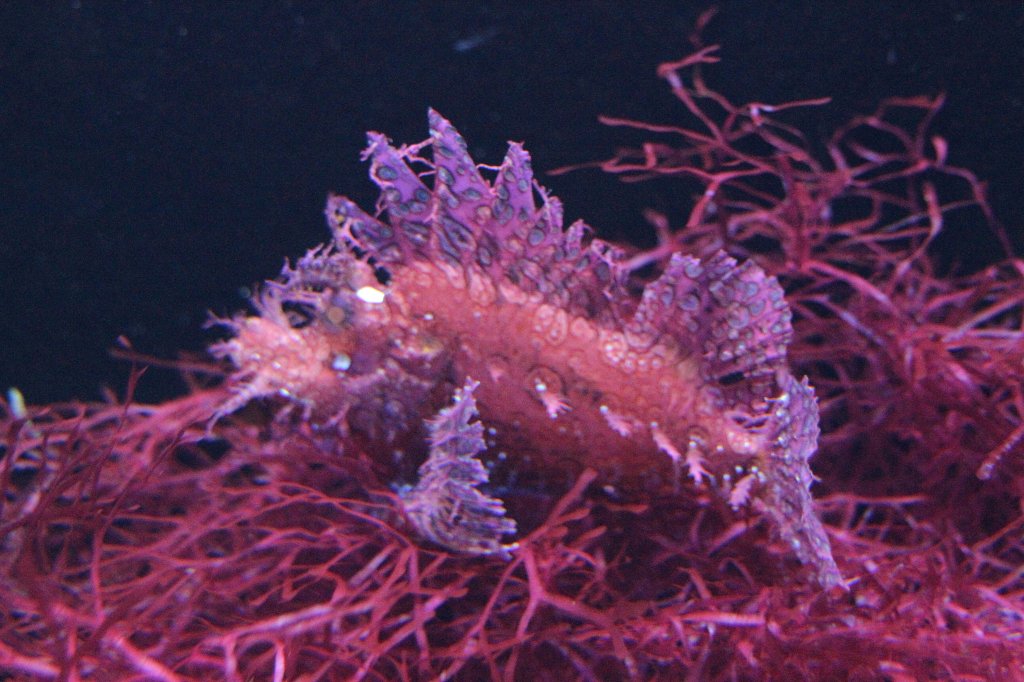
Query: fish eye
pixel 299 315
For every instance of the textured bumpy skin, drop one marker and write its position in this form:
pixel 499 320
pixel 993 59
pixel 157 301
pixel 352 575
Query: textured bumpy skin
pixel 458 280
pixel 445 505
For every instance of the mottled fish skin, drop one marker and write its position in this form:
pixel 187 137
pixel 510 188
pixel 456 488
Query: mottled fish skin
pixel 461 281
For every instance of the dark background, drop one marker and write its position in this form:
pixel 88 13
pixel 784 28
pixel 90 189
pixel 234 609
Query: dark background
pixel 158 157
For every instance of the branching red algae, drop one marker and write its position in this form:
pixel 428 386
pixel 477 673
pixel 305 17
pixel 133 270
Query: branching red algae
pixel 253 529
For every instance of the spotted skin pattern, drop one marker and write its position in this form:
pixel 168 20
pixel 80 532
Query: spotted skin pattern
pixel 460 282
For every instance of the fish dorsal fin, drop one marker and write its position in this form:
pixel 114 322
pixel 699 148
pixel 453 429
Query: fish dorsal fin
pixel 458 218
pixel 732 314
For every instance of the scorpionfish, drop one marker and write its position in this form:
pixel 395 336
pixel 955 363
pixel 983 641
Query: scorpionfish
pixel 468 292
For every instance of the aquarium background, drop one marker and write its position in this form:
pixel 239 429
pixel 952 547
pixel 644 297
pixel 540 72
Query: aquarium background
pixel 157 159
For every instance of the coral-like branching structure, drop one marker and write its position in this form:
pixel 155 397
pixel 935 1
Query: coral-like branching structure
pixel 270 525
pixel 917 365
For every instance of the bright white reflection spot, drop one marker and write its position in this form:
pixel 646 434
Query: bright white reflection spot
pixel 370 295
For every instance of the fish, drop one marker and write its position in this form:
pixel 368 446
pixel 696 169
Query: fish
pixel 464 288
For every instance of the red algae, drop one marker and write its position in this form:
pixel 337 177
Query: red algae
pixel 262 526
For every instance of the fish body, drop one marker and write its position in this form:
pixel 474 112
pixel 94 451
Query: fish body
pixel 571 360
